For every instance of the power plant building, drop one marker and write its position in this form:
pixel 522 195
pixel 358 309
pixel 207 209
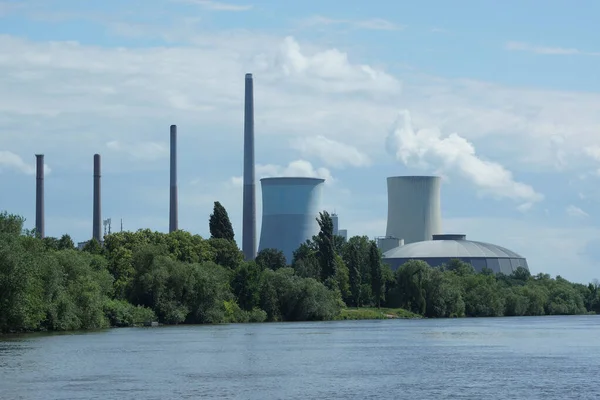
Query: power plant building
pixel 414 211
pixel 444 248
pixel 290 207
pixel 336 223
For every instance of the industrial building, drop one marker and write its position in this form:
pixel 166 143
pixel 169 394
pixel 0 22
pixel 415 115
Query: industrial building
pixel 414 224
pixel 290 207
pixel 444 248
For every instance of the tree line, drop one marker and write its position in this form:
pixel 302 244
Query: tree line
pixel 136 277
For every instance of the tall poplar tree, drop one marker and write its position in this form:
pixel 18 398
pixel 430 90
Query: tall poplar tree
pixel 219 224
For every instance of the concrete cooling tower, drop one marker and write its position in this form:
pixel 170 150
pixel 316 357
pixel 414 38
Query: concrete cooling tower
pixel 414 211
pixel 290 210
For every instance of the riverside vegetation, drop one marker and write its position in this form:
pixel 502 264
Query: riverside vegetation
pixel 137 277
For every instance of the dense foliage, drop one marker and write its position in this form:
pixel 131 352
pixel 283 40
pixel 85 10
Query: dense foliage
pixel 144 276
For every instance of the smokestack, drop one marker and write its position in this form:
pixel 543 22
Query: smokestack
pixel 97 223
pixel 249 210
pixel 39 196
pixel 173 209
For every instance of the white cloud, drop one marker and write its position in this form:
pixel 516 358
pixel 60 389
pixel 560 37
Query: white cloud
pixel 298 168
pixel 10 160
pixel 593 152
pixel 378 24
pixel 422 147
pixel 576 212
pixel 216 5
pixel 148 151
pixel 331 152
pixel 546 50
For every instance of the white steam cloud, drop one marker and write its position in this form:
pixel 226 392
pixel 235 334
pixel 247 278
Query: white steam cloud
pixel 427 148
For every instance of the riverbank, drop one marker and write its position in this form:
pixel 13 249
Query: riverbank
pixel 353 313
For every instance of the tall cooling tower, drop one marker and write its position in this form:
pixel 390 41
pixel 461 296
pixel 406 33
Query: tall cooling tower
pixel 249 195
pixel 97 217
pixel 39 196
pixel 414 211
pixel 173 217
pixel 290 208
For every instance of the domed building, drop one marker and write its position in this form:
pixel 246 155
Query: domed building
pixel 444 248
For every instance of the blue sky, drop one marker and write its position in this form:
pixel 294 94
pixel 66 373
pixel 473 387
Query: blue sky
pixel 500 98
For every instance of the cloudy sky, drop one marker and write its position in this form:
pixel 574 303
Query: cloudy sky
pixel 501 99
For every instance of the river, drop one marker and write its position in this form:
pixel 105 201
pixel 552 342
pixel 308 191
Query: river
pixel 487 358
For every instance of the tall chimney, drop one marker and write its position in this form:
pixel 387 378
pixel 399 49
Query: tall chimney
pixel 249 211
pixel 97 223
pixel 173 208
pixel 39 196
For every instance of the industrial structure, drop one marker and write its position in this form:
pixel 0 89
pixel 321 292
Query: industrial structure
pixel 414 225
pixel 173 206
pixel 444 248
pixel 290 207
pixel 39 196
pixel 97 217
pixel 414 210
pixel 336 223
pixel 249 195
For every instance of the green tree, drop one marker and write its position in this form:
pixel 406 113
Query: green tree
pixel 353 264
pixel 66 243
pixel 325 249
pixel 219 224
pixel 93 247
pixel 11 224
pixel 377 283
pixel 271 259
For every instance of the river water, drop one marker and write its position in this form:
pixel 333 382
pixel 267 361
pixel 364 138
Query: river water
pixel 488 358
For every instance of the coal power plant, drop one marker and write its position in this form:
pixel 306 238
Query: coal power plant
pixel 290 207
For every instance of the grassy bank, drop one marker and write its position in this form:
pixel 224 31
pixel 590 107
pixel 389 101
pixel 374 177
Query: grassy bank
pixel 376 313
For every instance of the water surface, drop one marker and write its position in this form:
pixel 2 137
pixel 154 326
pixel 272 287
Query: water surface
pixel 487 358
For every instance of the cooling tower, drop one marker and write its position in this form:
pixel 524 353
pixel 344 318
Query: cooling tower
pixel 249 196
pixel 173 211
pixel 97 218
pixel 290 207
pixel 414 212
pixel 39 195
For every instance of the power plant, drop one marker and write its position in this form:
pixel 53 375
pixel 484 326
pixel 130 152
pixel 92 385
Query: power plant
pixel 249 195
pixel 173 207
pixel 290 207
pixel 414 225
pixel 39 196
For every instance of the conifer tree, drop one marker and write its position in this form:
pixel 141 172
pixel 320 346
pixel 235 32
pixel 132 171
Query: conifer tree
pixel 219 224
